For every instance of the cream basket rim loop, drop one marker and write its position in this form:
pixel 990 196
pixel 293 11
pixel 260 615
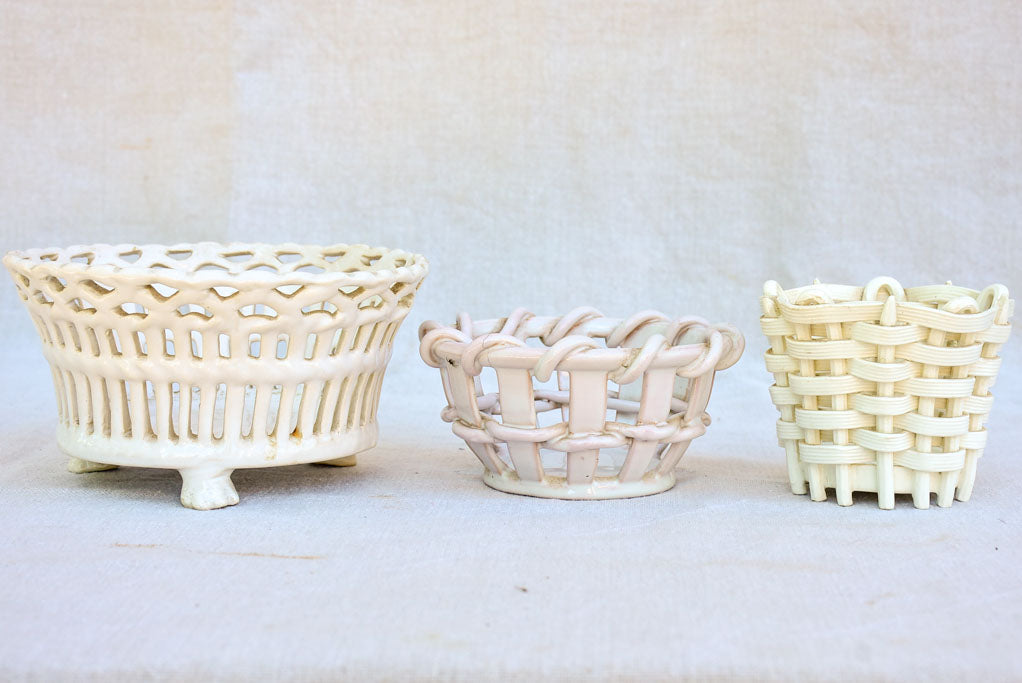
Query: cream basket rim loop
pixel 993 300
pixel 874 286
pixel 172 271
pixel 570 341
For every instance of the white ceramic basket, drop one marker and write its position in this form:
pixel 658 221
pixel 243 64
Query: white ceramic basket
pixel 662 369
pixel 210 357
pixel 882 388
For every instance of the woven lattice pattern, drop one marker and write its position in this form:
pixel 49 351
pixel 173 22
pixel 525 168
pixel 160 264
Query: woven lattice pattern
pixel 263 348
pixel 882 388
pixel 663 369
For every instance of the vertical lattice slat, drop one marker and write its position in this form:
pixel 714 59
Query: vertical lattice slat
pixel 58 387
pixel 355 404
pixel 374 396
pixel 518 408
pixel 139 404
pixel 97 405
pixel 462 398
pixel 780 364
pixel 234 410
pixel 587 414
pixel 260 410
pixel 340 408
pixel 986 374
pixel 120 418
pixel 955 407
pixel 308 409
pixel 328 407
pixel 657 390
pixel 71 396
pixel 839 402
pixel 184 411
pixel 164 409
pixel 924 442
pixel 83 396
pixel 207 405
pixel 284 410
pixel 885 423
pixel 696 396
pixel 563 384
pixel 369 399
pixel 807 368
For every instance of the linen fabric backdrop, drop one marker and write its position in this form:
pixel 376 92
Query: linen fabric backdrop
pixel 626 155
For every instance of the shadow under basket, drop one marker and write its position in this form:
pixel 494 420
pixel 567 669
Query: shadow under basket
pixel 884 389
pixel 581 406
pixel 210 357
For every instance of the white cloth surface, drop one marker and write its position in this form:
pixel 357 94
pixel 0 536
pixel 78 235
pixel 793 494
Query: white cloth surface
pixel 407 565
pixel 627 155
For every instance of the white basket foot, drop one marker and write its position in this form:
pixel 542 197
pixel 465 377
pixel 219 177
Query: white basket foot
pixel 346 461
pixel 205 489
pixel 79 466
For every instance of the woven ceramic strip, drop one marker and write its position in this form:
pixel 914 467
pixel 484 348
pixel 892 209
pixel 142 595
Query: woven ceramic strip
pixel 662 369
pixel 210 357
pixel 884 389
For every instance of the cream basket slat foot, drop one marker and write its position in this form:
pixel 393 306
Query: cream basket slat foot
pixel 630 394
pixel 206 358
pixel 884 389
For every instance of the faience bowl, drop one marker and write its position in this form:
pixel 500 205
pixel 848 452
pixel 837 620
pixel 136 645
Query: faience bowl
pixel 209 357
pixel 629 397
pixel 882 388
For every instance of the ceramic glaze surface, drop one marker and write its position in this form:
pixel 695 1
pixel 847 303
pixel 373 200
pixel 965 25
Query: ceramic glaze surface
pixel 210 357
pixel 882 388
pixel 630 395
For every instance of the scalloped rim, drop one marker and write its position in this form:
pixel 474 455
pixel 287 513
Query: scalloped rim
pixel 29 259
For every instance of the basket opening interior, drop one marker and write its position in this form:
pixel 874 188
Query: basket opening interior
pixel 230 258
pixel 551 401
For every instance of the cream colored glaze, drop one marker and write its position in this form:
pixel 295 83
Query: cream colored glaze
pixel 663 370
pixel 882 388
pixel 210 357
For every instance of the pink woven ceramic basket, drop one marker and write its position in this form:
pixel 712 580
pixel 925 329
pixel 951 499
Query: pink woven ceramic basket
pixel 630 396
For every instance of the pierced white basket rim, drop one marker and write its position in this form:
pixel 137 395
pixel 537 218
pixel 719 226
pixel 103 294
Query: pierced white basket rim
pixel 30 259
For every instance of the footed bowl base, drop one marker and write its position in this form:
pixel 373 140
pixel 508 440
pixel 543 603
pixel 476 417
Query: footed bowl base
pixel 599 488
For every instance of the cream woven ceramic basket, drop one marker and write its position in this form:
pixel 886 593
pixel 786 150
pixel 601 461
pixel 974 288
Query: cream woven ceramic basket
pixel 210 357
pixel 662 369
pixel 884 389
